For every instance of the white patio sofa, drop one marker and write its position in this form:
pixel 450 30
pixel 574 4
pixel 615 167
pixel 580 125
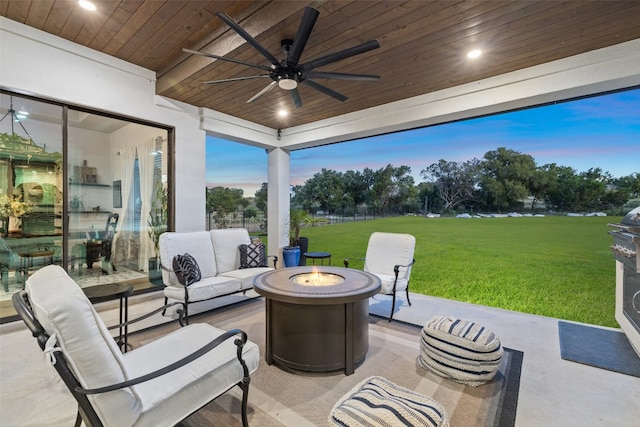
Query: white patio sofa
pixel 218 258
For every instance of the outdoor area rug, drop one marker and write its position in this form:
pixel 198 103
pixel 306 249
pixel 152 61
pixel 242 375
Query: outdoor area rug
pixel 278 397
pixel 602 348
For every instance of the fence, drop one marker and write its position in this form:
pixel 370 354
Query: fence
pixel 258 224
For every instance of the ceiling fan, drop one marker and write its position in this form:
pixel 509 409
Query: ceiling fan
pixel 288 73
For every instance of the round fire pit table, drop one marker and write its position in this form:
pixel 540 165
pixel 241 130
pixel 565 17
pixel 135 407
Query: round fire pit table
pixel 317 318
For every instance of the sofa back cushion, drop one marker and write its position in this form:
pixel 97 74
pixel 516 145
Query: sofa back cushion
pixel 226 244
pixel 196 243
pixel 63 309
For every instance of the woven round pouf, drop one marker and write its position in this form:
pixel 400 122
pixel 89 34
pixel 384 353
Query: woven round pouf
pixel 377 401
pixel 460 350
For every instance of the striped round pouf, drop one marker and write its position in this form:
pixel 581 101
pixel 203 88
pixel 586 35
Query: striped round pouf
pixel 377 402
pixel 460 350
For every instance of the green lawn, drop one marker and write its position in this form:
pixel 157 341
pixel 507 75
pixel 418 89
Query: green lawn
pixel 554 266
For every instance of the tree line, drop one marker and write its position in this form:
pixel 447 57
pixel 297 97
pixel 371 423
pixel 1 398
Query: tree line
pixel 504 180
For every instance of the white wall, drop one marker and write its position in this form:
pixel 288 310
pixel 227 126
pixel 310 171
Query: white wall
pixel 56 69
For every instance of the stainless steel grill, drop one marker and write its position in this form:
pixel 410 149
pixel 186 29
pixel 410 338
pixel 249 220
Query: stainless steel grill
pixel 626 240
pixel 626 250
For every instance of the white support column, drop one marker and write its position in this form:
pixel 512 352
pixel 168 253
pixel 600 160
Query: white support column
pixel 278 202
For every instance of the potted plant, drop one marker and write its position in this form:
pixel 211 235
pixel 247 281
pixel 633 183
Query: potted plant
pixel 156 225
pixel 13 209
pixel 76 203
pixel 298 218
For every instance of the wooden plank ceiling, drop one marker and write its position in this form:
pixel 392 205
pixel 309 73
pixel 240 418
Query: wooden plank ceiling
pixel 423 44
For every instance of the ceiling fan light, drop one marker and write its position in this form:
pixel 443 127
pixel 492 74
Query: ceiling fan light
pixel 287 84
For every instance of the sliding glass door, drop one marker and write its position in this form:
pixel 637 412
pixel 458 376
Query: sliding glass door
pixel 81 189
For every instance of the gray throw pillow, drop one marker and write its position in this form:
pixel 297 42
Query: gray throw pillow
pixel 252 255
pixel 186 269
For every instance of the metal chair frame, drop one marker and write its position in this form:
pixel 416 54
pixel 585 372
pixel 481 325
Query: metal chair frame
pixel 396 271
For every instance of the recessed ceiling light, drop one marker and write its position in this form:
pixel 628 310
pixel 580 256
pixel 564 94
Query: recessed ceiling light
pixel 283 113
pixel 86 4
pixel 475 53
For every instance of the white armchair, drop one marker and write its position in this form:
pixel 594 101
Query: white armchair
pixel 160 383
pixel 390 257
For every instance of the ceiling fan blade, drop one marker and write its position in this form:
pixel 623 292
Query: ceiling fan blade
pixel 343 54
pixel 263 91
pixel 302 36
pixel 222 58
pixel 342 76
pixel 332 93
pixel 295 97
pixel 253 42
pixel 235 79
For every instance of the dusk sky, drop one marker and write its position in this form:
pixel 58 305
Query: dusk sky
pixel 602 132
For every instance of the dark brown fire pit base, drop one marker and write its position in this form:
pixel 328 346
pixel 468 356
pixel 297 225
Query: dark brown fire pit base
pixel 317 328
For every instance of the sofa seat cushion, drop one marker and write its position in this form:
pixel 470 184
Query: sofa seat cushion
pixel 207 288
pixel 460 350
pixel 386 282
pixel 246 275
pixel 190 386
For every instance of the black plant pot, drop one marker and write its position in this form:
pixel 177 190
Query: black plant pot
pixel 303 242
pixel 155 271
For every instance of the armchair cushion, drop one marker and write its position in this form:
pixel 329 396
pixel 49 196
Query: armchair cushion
pixel 192 385
pixel 252 255
pixel 186 269
pixel 386 250
pixel 386 282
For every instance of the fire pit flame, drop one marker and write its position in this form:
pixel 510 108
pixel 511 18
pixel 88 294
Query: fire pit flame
pixel 317 278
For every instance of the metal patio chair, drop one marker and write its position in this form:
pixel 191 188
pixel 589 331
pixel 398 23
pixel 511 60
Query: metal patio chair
pixel 390 257
pixel 160 383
